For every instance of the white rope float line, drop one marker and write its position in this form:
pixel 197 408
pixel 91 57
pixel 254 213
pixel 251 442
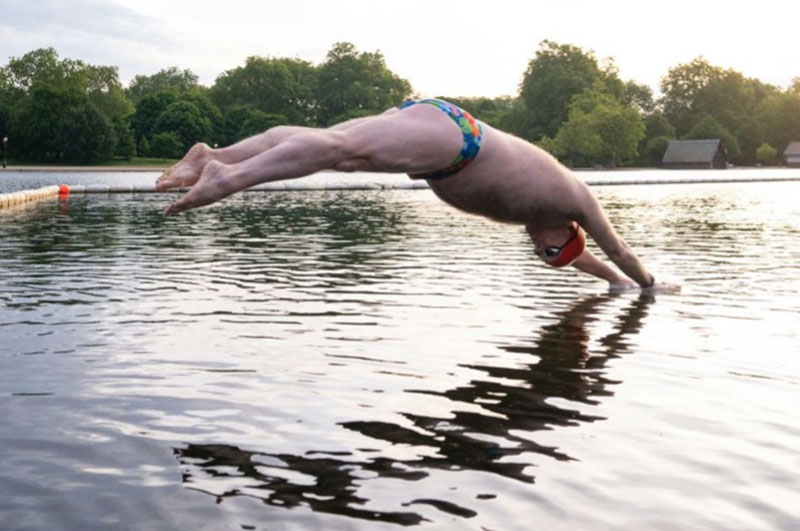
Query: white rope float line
pixel 27 196
pixel 24 197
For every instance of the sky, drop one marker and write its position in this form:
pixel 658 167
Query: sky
pixel 442 47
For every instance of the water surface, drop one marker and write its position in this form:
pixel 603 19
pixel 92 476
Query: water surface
pixel 375 359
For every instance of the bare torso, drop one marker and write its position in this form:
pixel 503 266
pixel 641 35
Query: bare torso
pixel 512 181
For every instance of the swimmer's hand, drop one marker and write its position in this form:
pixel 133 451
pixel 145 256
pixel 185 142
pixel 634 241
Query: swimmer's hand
pixel 622 285
pixel 630 285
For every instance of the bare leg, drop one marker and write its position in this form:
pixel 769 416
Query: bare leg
pixel 188 169
pixel 418 139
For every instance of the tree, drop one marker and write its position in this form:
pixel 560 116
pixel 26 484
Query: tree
pixel 795 86
pixel 258 122
pixel 766 154
pixel 493 111
pixel 143 147
pixel 780 116
pixel 59 124
pixel 271 85
pixel 554 76
pixel 186 121
pixel 126 142
pixel 166 80
pixel 657 134
pixel 681 87
pixel 577 140
pixel 62 110
pixel 698 90
pixel 87 135
pixel 167 146
pixel 148 110
pixel 640 97
pixel 600 128
pixel 201 99
pixel 41 66
pixel 106 93
pixel 655 148
pixel 350 82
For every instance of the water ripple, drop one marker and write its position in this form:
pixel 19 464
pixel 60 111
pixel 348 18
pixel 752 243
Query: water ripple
pixel 359 359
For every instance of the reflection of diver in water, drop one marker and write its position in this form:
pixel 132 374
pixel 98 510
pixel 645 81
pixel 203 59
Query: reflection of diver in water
pixel 516 400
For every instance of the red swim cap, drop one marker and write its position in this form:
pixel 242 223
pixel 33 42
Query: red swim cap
pixel 572 249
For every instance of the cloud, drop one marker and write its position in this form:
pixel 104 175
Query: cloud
pixel 90 18
pixel 96 32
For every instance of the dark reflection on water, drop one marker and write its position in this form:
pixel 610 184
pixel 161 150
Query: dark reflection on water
pixel 514 399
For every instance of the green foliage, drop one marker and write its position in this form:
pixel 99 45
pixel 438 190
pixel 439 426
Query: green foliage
pixel 148 110
pixel 185 121
pixel 656 129
pixel 126 143
pixel 655 149
pixel 709 128
pixel 780 116
pixel 577 140
pixel 640 97
pixel 271 85
pixel 258 122
pixel 766 154
pixel 143 148
pixel 492 111
pixel 60 125
pixel 698 90
pixel 554 76
pixel 749 135
pixel 61 110
pixel 106 93
pixel 200 98
pixel 600 128
pixel 681 88
pixel 166 80
pixel 167 146
pixel 349 81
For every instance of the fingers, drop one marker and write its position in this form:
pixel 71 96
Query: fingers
pixel 184 203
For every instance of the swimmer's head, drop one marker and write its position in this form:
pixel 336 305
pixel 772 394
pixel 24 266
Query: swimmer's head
pixel 556 251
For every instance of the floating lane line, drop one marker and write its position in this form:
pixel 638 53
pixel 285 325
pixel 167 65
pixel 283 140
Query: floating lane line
pixel 24 197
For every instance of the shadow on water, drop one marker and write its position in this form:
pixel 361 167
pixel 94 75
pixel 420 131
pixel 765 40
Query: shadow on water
pixel 566 364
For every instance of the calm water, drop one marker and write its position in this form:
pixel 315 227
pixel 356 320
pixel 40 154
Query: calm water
pixel 369 360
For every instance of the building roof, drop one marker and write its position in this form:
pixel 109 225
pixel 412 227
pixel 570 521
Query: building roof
pixel 792 149
pixel 691 150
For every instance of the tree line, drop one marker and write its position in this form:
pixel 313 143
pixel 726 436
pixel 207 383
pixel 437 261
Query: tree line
pixel 569 102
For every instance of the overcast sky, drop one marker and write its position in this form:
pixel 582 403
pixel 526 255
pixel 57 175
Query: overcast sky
pixel 443 47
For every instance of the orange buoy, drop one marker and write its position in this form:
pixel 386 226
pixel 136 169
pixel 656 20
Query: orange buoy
pixel 63 190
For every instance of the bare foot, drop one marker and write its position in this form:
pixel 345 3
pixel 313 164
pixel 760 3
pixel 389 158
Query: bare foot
pixel 187 170
pixel 211 186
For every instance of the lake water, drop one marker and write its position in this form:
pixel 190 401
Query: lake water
pixel 376 359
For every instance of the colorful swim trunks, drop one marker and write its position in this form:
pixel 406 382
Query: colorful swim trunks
pixel 470 128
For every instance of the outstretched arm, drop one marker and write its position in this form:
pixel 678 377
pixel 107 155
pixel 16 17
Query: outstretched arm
pixel 589 263
pixel 594 221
